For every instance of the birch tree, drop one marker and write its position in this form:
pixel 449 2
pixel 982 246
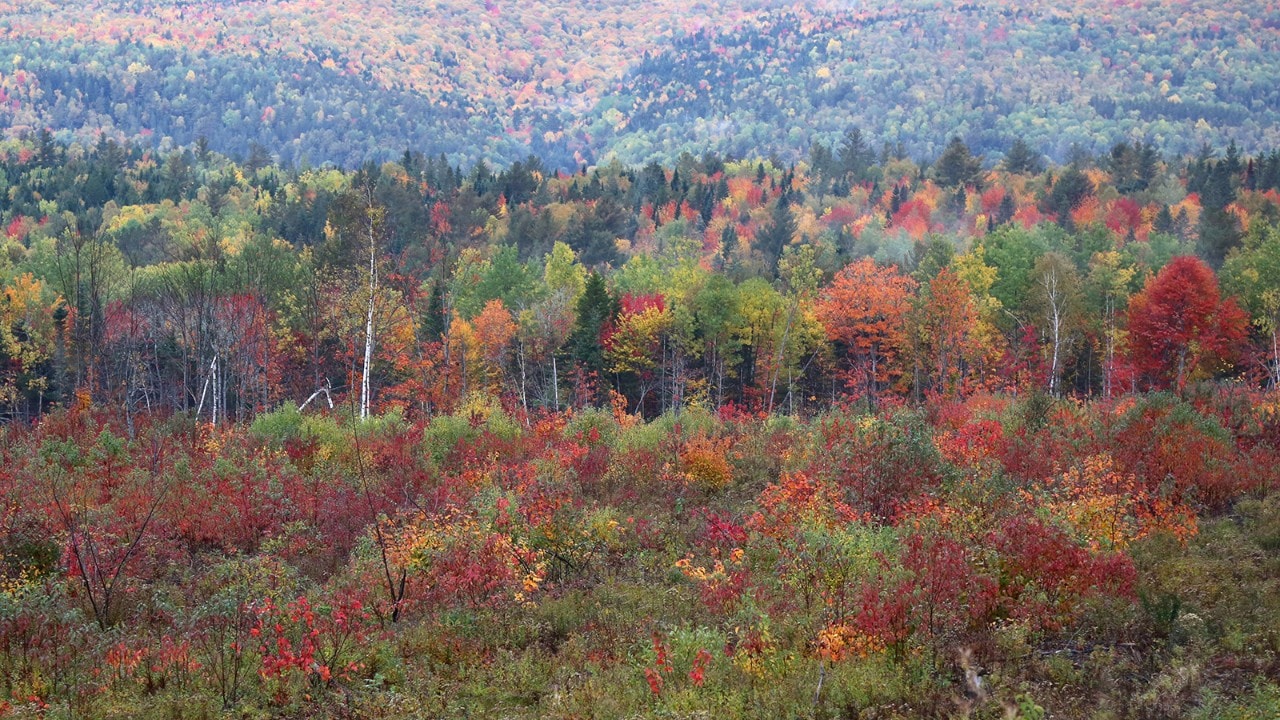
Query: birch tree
pixel 1055 304
pixel 354 234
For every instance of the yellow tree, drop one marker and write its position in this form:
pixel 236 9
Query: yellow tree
pixel 481 346
pixel 635 346
pixel 27 342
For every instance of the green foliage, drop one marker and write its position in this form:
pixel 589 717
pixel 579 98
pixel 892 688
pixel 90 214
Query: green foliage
pixel 1263 701
pixel 329 430
pixel 445 433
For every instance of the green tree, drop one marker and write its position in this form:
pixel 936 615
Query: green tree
pixel 777 234
pixel 1022 160
pixel 595 310
pixel 957 166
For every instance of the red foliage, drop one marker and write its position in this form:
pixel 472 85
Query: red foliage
pixel 978 443
pixel 796 499
pixel 1045 577
pixel 1179 326
pixel 1178 455
pixel 1125 218
pixel 991 199
pixel 937 597
pixel 915 216
pixel 319 643
pixel 878 466
pixel 865 309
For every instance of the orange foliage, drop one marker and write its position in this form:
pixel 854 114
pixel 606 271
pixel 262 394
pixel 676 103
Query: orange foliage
pixel 1109 509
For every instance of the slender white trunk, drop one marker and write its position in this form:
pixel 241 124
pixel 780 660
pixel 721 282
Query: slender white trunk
pixel 322 391
pixel 1056 303
pixel 555 383
pixel 524 395
pixel 368 360
pixel 780 355
pixel 1055 323
pixel 204 390
pixel 1275 360
pixel 368 331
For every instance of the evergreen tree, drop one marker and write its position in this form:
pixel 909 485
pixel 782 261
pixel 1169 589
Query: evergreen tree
pixel 957 166
pixel 777 234
pixel 433 322
pixel 1022 160
pixel 596 309
pixel 1219 234
pixel 856 157
pixel 728 244
pixel 1164 222
pixel 1005 213
pixel 1069 190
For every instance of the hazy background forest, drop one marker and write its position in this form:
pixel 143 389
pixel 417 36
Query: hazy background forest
pixel 583 82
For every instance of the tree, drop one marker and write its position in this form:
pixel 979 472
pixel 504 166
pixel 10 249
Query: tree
pixel 943 320
pixel 1219 233
pixel 1022 160
pixel 777 235
pixel 546 325
pixel 357 220
pixel 1013 251
pixel 1180 328
pixel 1108 288
pixel 799 277
pixel 595 312
pixel 28 326
pixel 635 346
pixel 1252 273
pixel 856 157
pixel 865 310
pixel 715 307
pixel 86 266
pixel 1069 191
pixel 957 166
pixel 1055 303
pixel 483 343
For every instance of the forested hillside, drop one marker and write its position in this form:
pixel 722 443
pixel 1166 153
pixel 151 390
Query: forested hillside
pixel 577 81
pixel 850 437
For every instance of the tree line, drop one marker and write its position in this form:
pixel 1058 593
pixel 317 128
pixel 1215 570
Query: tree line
pixel 186 282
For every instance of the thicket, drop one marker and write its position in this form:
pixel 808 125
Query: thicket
pixel 987 557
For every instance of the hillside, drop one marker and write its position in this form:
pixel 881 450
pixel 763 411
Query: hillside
pixel 582 81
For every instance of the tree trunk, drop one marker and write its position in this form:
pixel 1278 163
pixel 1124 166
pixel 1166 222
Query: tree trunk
pixel 368 331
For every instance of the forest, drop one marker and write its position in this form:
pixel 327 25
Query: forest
pixel 584 81
pixel 850 436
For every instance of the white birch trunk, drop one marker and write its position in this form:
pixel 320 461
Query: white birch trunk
pixel 368 331
pixel 555 383
pixel 1054 296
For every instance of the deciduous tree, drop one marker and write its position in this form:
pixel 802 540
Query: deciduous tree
pixel 1179 326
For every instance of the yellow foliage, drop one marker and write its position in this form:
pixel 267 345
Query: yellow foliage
pixel 1110 509
pixel 704 463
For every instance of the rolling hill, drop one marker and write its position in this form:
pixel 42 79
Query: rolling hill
pixel 581 81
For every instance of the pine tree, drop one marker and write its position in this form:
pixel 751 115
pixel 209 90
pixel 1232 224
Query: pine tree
pixel 957 166
pixel 856 157
pixel 1022 160
pixel 1005 213
pixel 777 234
pixel 596 309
